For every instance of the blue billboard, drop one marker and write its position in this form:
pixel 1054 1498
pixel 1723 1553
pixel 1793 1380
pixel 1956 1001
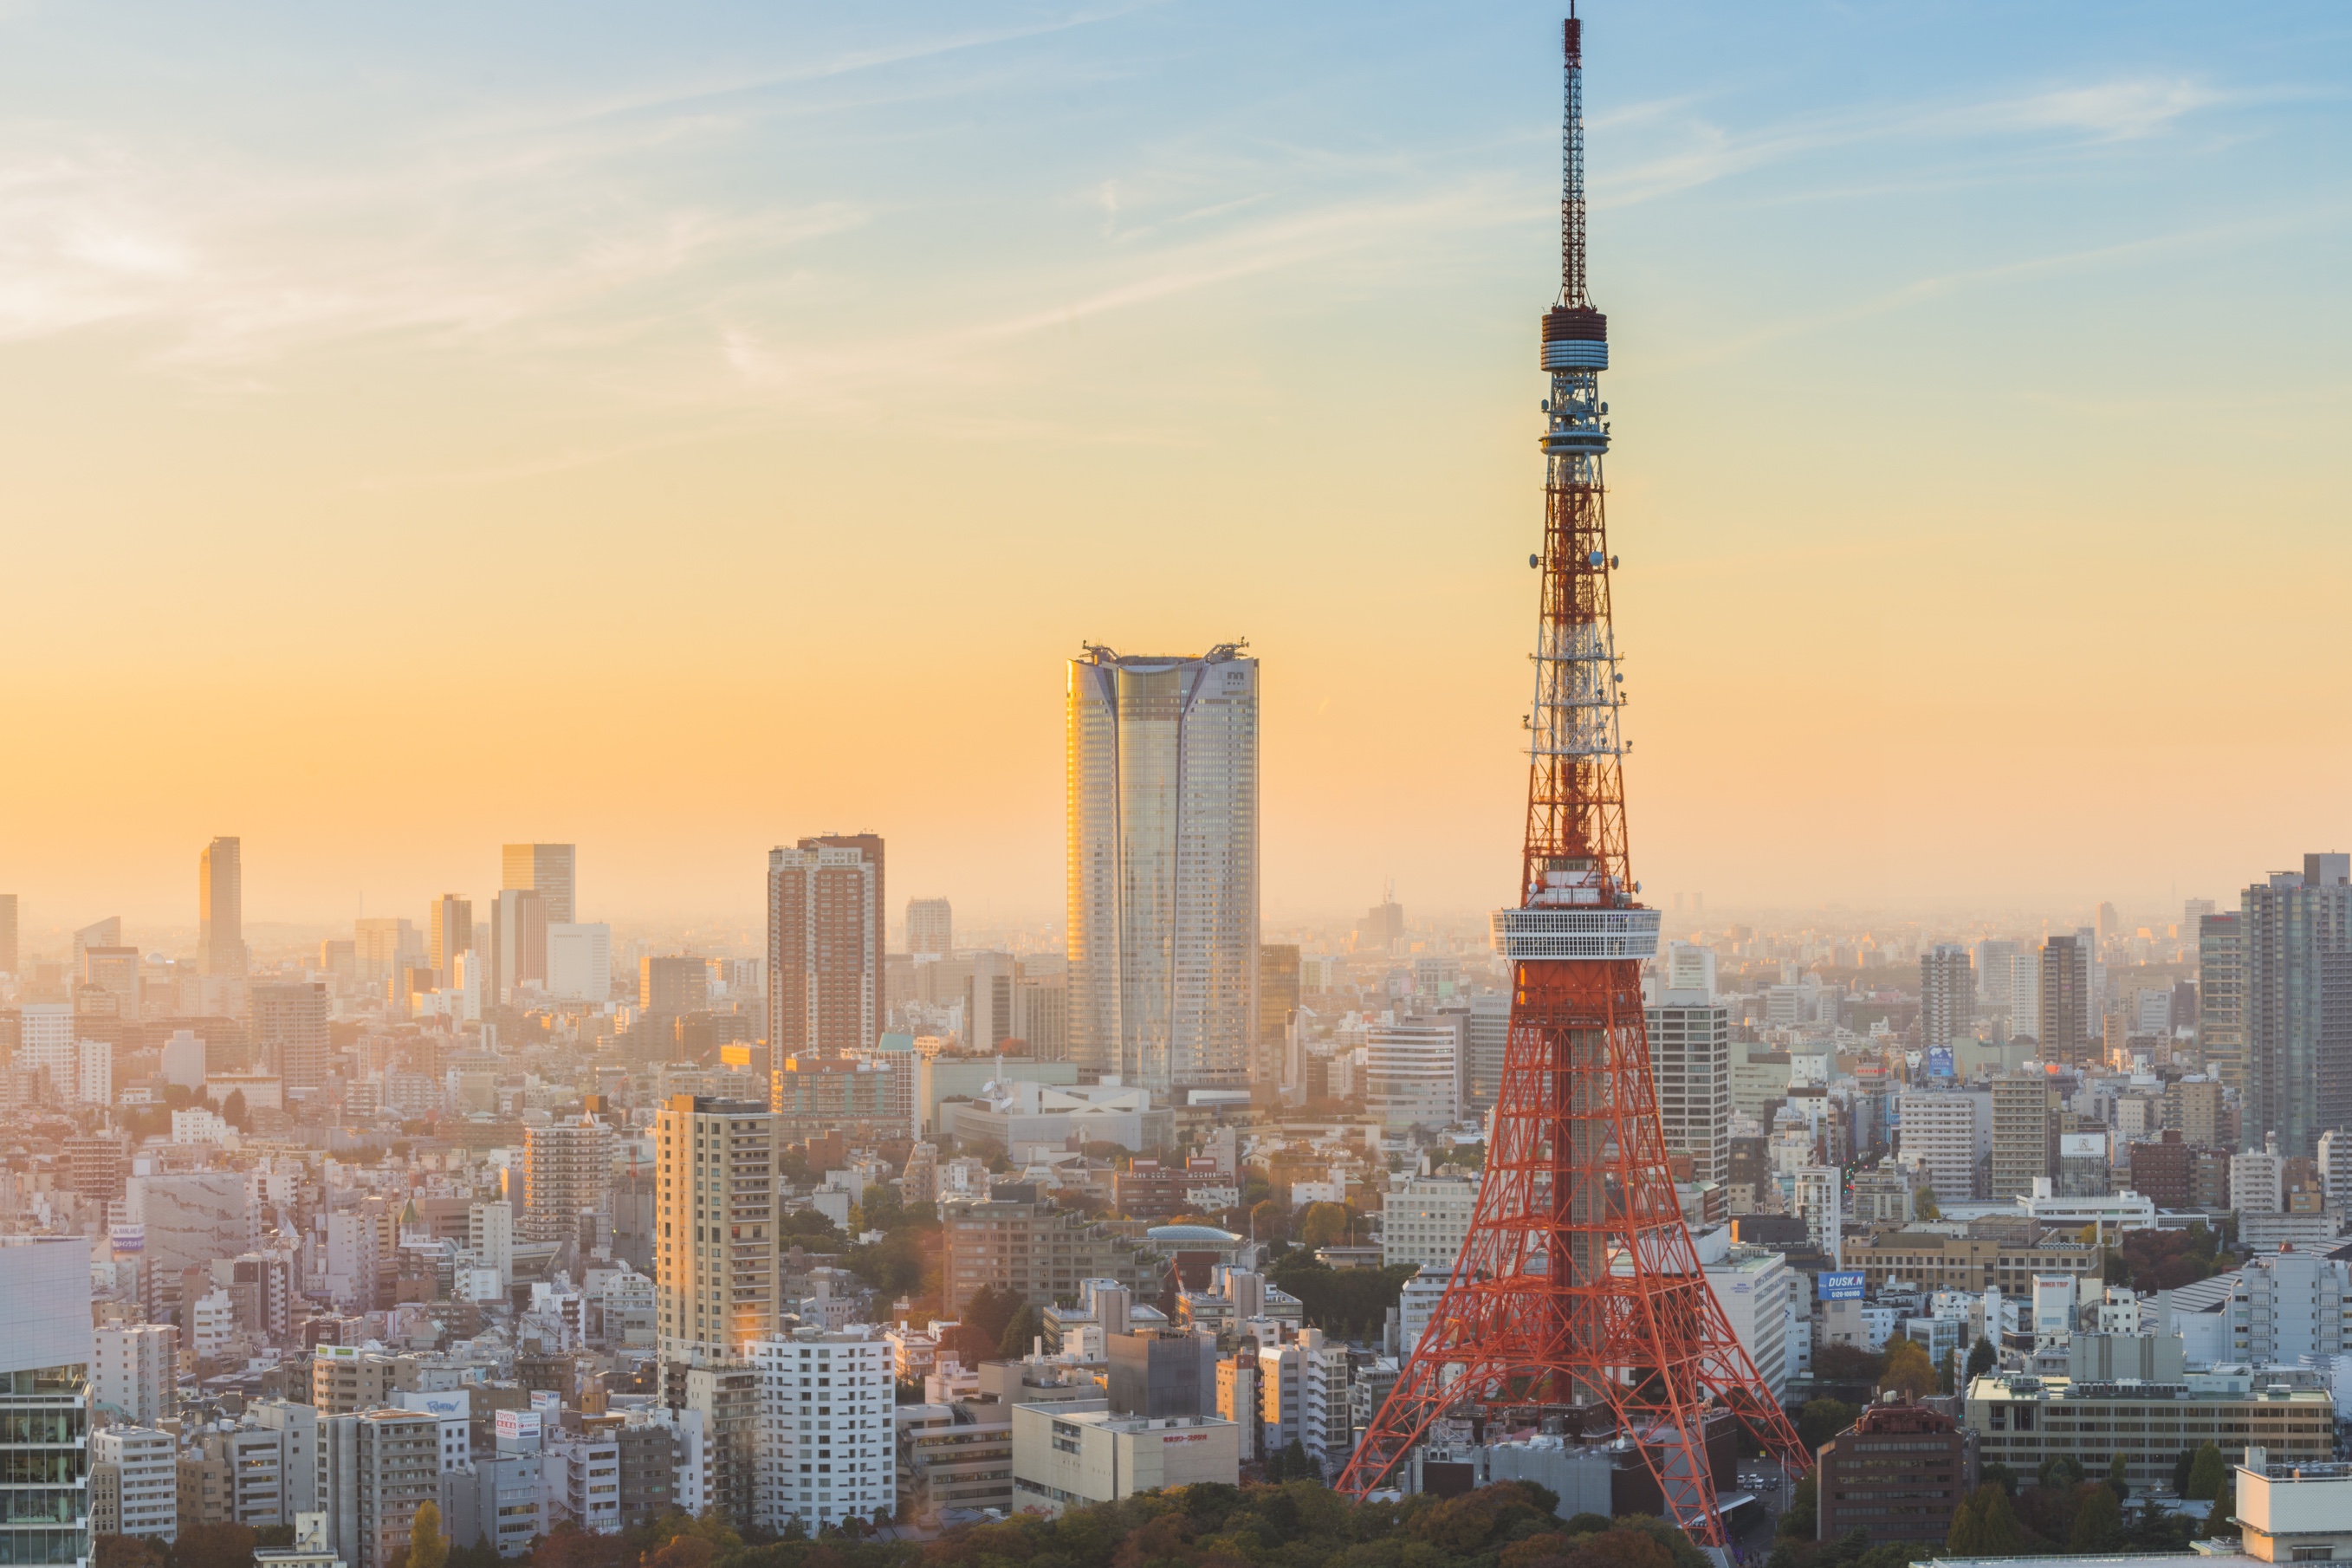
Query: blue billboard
pixel 1939 1061
pixel 1840 1286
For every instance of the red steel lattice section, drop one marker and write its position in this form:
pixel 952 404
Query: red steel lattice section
pixel 1579 1287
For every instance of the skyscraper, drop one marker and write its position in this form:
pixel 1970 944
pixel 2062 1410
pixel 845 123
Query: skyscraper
pixel 1948 992
pixel 2297 952
pixel 567 1168
pixel 449 930
pixel 1690 1057
pixel 547 869
pixel 1277 1001
pixel 1163 801
pixel 931 927
pixel 220 908
pixel 7 934
pixel 825 947
pixel 518 925
pixel 2066 1005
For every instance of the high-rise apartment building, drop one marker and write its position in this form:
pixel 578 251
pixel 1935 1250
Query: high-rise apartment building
pixel 45 1399
pixel 1992 956
pixel 290 1033
pixel 1490 1039
pixel 1948 993
pixel 134 1373
pixel 2024 1134
pixel 9 952
pixel 824 946
pixel 143 1479
pixel 1162 806
pixel 2221 998
pixel 1690 1058
pixel 828 1445
pixel 567 1168
pixel 1277 1004
pixel 220 908
pixel 519 942
pixel 448 931
pixel 715 1260
pixel 2024 989
pixel 989 996
pixel 2067 1006
pixel 1950 1137
pixel 1041 1008
pixel 931 927
pixel 551 871
pixel 2296 935
pixel 671 986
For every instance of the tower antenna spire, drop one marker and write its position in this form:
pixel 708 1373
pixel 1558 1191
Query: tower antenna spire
pixel 1578 1294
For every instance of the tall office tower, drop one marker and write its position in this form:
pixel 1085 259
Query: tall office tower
pixel 2024 1133
pixel 2221 999
pixel 1490 1034
pixel 2024 994
pixel 1163 803
pixel 2109 926
pixel 518 940
pixel 2297 952
pixel 567 1168
pixel 1947 995
pixel 1993 955
pixel 106 933
pixel 548 869
pixel 220 908
pixel 825 947
pixel 45 1399
pixel 448 931
pixel 715 1264
pixel 2066 1006
pixel 1383 925
pixel 8 955
pixel 1277 1004
pixel 931 927
pixel 870 846
pixel 988 1012
pixel 1690 1054
pixel 290 1033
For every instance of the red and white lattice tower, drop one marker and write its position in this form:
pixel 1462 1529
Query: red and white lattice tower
pixel 1579 1292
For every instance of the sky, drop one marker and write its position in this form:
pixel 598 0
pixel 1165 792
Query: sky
pixel 679 428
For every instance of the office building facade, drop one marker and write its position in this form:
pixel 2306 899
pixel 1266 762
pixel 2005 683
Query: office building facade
pixel 1162 864
pixel 1690 1060
pixel 220 908
pixel 567 1170
pixel 825 947
pixel 2296 932
pixel 1948 993
pixel 45 1350
pixel 551 871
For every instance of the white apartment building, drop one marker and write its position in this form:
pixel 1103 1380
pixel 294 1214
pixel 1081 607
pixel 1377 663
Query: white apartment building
pixel 1417 1304
pixel 1759 1294
pixel 2257 1184
pixel 147 1464
pixel 827 1445
pixel 1690 968
pixel 1820 1195
pixel 1950 1135
pixel 1413 1070
pixel 2286 1305
pixel 1281 1395
pixel 1690 1060
pixel 1325 1427
pixel 134 1373
pixel 1427 1221
pixel 213 1318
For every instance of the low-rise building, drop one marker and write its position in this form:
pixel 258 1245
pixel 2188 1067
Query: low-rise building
pixel 1065 1458
pixel 1426 1220
pixel 2294 1513
pixel 2022 1422
pixel 1931 1260
pixel 143 1485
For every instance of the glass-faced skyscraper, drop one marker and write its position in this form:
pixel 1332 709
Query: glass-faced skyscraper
pixel 1162 758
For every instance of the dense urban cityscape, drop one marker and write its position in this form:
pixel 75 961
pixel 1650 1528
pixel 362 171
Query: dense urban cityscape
pixel 872 1231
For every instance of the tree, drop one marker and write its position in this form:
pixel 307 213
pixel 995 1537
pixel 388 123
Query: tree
pixel 213 1546
pixel 1923 1203
pixel 1844 1364
pixel 2208 1474
pixel 1803 1518
pixel 127 1551
pixel 2118 1476
pixel 1021 1334
pixel 2000 1535
pixel 233 1109
pixel 1324 1225
pixel 2225 1503
pixel 1822 1419
pixel 1269 1221
pixel 2060 1472
pixel 2098 1522
pixel 1907 1369
pixel 427 1547
pixel 1982 1359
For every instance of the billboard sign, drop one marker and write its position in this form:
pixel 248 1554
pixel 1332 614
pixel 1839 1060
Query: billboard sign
pixel 1939 1061
pixel 519 1425
pixel 2082 1145
pixel 127 1237
pixel 1840 1286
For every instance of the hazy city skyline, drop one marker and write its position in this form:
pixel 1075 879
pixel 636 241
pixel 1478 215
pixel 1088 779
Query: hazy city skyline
pixel 1892 407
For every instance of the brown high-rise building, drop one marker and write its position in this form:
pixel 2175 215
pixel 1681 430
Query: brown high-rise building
pixel 7 934
pixel 824 946
pixel 551 871
pixel 2067 1005
pixel 1900 1472
pixel 567 1167
pixel 220 908
pixel 289 1031
pixel 673 986
pixel 1278 999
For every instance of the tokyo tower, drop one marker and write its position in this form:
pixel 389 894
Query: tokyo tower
pixel 1579 1292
